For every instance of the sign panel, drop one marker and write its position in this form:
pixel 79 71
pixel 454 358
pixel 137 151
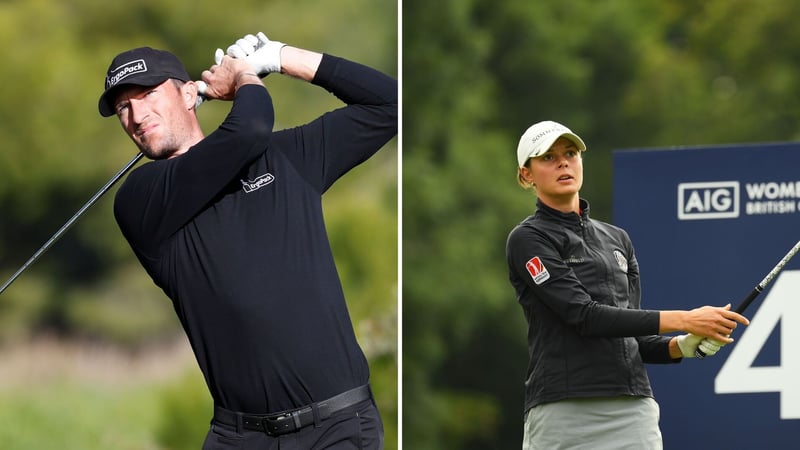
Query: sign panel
pixel 708 223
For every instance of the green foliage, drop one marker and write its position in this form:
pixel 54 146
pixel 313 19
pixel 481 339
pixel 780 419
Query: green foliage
pixel 51 125
pixel 77 416
pixel 476 74
pixel 187 408
pixel 122 309
pixel 384 386
pixel 58 151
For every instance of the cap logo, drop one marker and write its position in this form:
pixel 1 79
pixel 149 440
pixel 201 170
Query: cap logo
pixel 538 271
pixel 543 134
pixel 124 71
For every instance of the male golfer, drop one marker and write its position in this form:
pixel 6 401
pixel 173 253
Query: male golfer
pixel 230 226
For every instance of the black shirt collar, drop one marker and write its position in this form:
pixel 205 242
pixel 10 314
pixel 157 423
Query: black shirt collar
pixel 566 218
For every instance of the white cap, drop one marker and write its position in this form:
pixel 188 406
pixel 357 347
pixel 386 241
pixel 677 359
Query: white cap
pixel 540 137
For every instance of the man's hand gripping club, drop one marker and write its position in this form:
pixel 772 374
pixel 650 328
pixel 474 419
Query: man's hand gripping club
pixel 262 55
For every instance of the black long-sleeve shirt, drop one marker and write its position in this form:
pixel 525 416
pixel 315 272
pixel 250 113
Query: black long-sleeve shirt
pixel 233 232
pixel 577 281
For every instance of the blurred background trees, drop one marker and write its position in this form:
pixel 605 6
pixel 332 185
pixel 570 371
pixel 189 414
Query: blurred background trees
pixel 476 74
pixel 58 151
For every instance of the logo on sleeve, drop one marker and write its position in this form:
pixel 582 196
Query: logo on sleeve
pixel 537 270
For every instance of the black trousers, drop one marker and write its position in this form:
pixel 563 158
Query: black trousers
pixel 356 427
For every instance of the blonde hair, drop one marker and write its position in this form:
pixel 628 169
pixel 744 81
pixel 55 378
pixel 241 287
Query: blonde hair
pixel 525 184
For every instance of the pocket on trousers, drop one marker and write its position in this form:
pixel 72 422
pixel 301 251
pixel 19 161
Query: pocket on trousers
pixel 370 426
pixel 222 437
pixel 358 427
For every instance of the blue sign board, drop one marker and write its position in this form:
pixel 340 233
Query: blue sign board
pixel 708 223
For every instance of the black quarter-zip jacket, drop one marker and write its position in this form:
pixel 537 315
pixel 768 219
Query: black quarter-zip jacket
pixel 233 232
pixel 577 281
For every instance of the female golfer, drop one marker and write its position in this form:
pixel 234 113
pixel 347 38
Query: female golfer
pixel 577 281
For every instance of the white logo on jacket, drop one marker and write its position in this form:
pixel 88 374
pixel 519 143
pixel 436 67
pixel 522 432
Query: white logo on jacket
pixel 621 260
pixel 254 185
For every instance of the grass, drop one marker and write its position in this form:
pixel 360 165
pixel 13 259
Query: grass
pixel 68 415
pixel 57 396
pixel 66 396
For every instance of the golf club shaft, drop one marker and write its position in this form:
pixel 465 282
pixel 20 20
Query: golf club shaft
pixel 767 279
pixel 200 100
pixel 72 221
pixel 760 287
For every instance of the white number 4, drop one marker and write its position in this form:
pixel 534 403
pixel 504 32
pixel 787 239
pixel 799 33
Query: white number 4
pixel 739 376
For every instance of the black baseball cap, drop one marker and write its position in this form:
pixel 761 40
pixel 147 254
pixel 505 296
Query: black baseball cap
pixel 143 66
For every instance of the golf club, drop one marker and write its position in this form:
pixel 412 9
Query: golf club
pixel 53 239
pixel 760 287
pixel 72 220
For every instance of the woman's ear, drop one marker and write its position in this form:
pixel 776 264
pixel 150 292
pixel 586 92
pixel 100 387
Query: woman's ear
pixel 527 175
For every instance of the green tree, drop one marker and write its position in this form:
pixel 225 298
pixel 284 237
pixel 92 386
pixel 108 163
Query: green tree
pixel 58 151
pixel 476 74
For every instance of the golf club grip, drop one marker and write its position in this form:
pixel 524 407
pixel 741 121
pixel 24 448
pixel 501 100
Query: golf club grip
pixel 739 309
pixel 749 299
pixel 201 94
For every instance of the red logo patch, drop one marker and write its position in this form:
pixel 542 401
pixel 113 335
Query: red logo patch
pixel 537 270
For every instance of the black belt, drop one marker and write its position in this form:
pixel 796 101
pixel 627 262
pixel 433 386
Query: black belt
pixel 293 420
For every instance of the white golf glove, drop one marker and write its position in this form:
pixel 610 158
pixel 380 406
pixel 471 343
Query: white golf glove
pixel 263 55
pixel 688 343
pixel 710 346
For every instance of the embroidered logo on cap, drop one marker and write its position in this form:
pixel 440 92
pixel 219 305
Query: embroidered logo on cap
pixel 537 270
pixel 124 71
pixel 554 129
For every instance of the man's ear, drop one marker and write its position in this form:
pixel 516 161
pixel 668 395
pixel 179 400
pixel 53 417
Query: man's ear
pixel 189 92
